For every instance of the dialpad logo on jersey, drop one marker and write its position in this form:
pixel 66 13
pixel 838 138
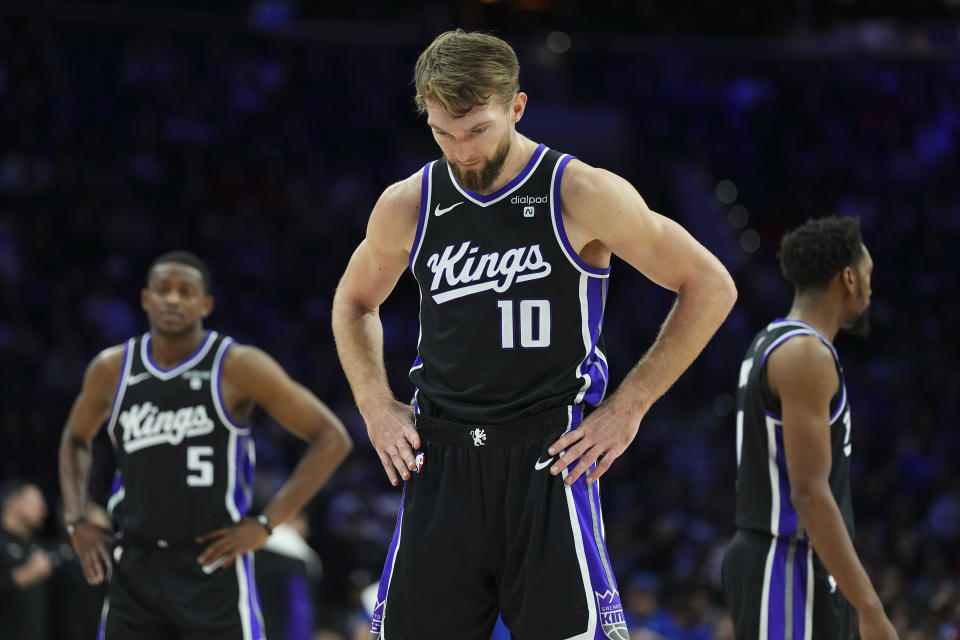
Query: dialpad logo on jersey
pixel 196 378
pixel 479 437
pixel 144 425
pixel 610 615
pixel 528 200
pixel 463 272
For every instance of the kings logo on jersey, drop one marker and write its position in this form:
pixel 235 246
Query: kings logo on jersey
pixel 144 425
pixel 465 271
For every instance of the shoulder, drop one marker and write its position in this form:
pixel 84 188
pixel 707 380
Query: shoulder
pixel 394 217
pixel 583 183
pixel 802 361
pixel 103 372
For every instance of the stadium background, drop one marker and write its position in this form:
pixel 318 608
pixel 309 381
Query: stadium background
pixel 259 134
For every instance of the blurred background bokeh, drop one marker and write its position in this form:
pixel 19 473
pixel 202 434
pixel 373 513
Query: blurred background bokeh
pixel 260 134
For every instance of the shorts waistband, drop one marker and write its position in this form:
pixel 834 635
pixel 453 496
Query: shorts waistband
pixel 501 434
pixel 131 539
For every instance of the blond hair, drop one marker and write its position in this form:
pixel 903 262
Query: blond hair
pixel 463 70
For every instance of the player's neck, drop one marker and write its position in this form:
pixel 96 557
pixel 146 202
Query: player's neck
pixel 170 350
pixel 815 310
pixel 521 150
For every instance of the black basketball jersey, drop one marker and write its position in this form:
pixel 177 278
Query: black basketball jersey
pixel 763 485
pixel 510 315
pixel 183 467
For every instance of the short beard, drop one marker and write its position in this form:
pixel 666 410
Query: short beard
pixel 860 325
pixel 480 179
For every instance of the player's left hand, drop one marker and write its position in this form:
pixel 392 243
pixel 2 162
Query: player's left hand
pixel 230 542
pixel 600 439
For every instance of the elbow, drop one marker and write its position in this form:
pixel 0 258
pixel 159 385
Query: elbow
pixel 804 495
pixel 726 288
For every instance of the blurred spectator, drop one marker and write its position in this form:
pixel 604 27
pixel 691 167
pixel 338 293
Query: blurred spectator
pixel 24 565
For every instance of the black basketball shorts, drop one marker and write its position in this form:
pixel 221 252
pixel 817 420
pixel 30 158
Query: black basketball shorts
pixel 777 589
pixel 485 529
pixel 160 593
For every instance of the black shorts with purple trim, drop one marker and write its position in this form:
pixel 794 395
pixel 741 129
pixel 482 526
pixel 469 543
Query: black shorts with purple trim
pixel 778 589
pixel 485 529
pixel 159 592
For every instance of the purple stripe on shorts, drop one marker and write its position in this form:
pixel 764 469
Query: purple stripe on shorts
pixel 253 599
pixel 775 604
pixel 788 514
pixel 800 590
pixel 376 622
pixel 606 597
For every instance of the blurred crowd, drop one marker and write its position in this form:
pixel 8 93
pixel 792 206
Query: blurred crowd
pixel 265 155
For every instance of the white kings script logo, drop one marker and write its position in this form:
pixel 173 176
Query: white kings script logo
pixel 467 273
pixel 144 425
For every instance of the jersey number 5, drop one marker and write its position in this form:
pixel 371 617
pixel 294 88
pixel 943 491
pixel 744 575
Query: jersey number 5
pixel 203 469
pixel 534 334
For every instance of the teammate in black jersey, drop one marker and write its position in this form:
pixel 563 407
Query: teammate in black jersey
pixel 176 402
pixel 510 243
pixel 791 569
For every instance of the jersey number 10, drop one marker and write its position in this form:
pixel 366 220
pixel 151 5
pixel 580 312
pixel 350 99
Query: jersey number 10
pixel 534 316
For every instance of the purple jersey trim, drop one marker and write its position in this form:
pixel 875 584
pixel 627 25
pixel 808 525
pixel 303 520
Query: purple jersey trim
pixel 228 342
pixel 426 182
pixel 166 374
pixel 510 185
pixel 558 219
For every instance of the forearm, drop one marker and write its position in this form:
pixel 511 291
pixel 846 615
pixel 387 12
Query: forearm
pixel 698 312
pixel 76 456
pixel 820 515
pixel 324 455
pixel 358 333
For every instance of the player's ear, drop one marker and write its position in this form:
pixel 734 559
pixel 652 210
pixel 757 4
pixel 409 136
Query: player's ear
pixel 517 106
pixel 848 279
pixel 207 306
pixel 144 292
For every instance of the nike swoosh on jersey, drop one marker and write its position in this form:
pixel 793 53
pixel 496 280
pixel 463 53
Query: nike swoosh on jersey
pixel 140 377
pixel 541 465
pixel 439 212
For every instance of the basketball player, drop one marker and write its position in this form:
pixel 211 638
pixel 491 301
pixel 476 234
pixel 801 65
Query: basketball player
pixel 176 402
pixel 791 568
pixel 510 242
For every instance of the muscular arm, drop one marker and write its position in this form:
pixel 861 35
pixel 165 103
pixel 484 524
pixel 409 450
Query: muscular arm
pixel 604 214
pixel 90 410
pixel 258 376
pixel 802 373
pixel 252 374
pixel 371 275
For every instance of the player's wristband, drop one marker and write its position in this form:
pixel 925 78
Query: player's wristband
pixel 71 527
pixel 265 521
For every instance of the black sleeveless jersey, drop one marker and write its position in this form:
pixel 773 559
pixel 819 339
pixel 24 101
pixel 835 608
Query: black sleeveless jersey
pixel 763 485
pixel 510 315
pixel 183 467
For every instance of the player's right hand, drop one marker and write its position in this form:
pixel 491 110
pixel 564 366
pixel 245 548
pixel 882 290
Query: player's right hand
pixel 876 626
pixel 90 543
pixel 391 429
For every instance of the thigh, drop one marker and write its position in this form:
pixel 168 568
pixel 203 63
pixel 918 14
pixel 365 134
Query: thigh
pixel 557 580
pixel 437 580
pixel 223 605
pixel 129 611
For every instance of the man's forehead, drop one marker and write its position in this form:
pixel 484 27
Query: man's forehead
pixel 176 270
pixel 437 117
